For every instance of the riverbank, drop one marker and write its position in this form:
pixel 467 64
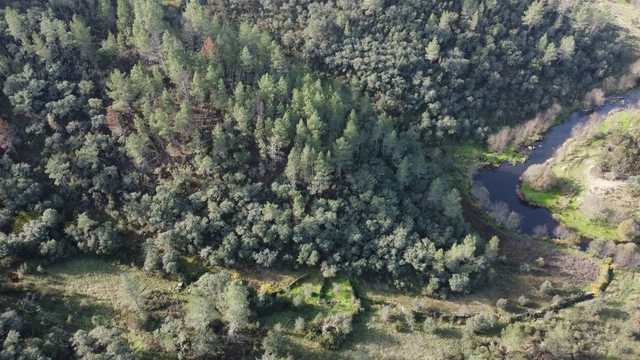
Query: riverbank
pixel 591 202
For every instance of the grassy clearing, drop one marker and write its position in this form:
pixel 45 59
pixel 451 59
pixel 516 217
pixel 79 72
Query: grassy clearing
pixel 374 339
pixel 94 278
pixel 470 153
pixel 549 199
pixel 80 292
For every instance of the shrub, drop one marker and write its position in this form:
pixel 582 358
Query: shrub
pixel 513 221
pixel 525 268
pixel 561 231
pixel 595 306
pixel 409 318
pixel 501 303
pixel 307 289
pixel 633 185
pixel 298 301
pixel 481 323
pixel 540 177
pixel 23 270
pixel 594 208
pixel 385 313
pixel 628 229
pixel 627 255
pixel 417 304
pixel 539 262
pixel 523 300
pixel 546 287
pixel 430 325
pixel 299 324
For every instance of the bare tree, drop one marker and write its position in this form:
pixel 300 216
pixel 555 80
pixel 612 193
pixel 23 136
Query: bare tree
pixel 540 230
pixel 540 177
pixel 499 141
pixel 561 231
pixel 593 98
pixel 594 208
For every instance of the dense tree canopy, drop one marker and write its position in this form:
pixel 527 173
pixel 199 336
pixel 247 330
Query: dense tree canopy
pixel 189 127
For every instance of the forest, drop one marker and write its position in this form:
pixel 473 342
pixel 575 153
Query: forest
pixel 266 135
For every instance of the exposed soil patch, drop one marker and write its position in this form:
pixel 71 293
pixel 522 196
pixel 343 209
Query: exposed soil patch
pixel 559 265
pixel 594 183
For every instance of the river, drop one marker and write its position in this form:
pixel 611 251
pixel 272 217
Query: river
pixel 501 182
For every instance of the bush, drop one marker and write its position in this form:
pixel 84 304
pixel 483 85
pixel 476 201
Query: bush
pixel 561 232
pixel 628 229
pixel 409 318
pixel 430 325
pixel 594 208
pixel 546 287
pixel 523 300
pixel 633 185
pixel 539 262
pixel 385 313
pixel 298 301
pixel 481 323
pixel 601 248
pixel 627 255
pixel 525 268
pixel 595 306
pixel 540 177
pixel 501 303
pixel 593 98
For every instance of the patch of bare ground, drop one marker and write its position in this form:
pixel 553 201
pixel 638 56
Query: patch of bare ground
pixel 560 265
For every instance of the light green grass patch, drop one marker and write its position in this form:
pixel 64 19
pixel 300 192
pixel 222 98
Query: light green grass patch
pixel 94 277
pixel 573 218
pixel 625 120
pixel 548 199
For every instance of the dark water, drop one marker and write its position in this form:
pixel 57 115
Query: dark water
pixel 501 182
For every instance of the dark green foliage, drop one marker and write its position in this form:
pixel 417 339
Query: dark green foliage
pixel 91 237
pixel 200 135
pixel 458 63
pixel 101 342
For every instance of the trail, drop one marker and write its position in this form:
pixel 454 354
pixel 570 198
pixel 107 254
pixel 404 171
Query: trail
pixel 595 184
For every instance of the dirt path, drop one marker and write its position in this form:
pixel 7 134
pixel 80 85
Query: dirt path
pixel 594 184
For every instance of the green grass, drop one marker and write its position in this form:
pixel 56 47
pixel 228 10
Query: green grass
pixel 468 153
pixel 548 199
pixel 625 120
pixel 22 218
pixel 571 214
pixel 573 218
